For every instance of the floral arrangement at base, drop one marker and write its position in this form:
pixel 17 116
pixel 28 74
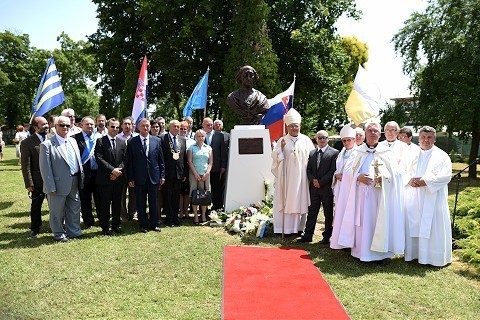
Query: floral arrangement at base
pixel 256 219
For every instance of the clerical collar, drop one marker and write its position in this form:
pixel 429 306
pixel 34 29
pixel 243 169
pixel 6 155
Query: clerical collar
pixel 371 147
pixel 391 143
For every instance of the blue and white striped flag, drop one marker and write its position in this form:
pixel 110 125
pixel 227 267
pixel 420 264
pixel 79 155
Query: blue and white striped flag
pixel 49 93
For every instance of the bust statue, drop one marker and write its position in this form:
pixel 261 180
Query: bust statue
pixel 249 104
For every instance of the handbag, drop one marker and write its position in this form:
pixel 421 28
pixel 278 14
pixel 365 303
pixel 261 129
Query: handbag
pixel 201 197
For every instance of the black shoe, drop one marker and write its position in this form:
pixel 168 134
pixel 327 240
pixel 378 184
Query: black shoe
pixel 34 234
pixel 78 237
pixel 157 229
pixel 117 230
pixel 107 233
pixel 62 240
pixel 304 239
pixel 143 230
pixel 325 241
pixel 87 227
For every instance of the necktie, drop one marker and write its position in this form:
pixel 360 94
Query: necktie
pixel 71 158
pixel 208 137
pixel 145 145
pixel 113 144
pixel 175 147
pixel 43 136
pixel 319 157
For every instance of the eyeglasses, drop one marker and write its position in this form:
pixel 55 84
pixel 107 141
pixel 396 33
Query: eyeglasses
pixel 155 127
pixel 322 138
pixel 391 130
pixel 63 125
pixel 183 129
pixel 71 117
pixel 113 127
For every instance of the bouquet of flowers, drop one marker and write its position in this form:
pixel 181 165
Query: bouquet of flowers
pixel 254 219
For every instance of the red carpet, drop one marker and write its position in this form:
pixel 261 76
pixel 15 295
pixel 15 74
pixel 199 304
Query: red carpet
pixel 275 283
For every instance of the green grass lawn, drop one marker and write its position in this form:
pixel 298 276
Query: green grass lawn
pixel 177 274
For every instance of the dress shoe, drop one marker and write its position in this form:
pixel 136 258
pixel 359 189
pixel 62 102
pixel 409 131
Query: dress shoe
pixel 106 233
pixel 305 239
pixel 78 237
pixel 325 241
pixel 117 230
pixel 143 230
pixel 62 239
pixel 34 234
pixel 157 229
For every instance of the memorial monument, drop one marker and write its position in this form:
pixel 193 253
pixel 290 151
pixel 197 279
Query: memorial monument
pixel 249 164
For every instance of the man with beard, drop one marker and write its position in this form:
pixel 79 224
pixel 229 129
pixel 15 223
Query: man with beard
pixel 32 177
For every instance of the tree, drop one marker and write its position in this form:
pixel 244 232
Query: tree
pixel 78 70
pixel 21 67
pixel 250 45
pixel 441 51
pixel 128 94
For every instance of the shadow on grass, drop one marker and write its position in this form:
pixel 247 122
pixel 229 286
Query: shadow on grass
pixel 6 205
pixel 10 162
pixel 340 262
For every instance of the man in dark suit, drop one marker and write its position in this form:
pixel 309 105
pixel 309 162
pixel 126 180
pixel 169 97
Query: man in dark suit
pixel 86 141
pixel 320 169
pixel 32 177
pixel 146 172
pixel 111 155
pixel 175 156
pixel 216 140
pixel 62 175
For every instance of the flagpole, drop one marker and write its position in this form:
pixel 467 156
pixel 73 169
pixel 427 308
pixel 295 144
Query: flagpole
pixel 285 172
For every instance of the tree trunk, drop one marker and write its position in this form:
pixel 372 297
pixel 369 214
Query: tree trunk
pixel 472 171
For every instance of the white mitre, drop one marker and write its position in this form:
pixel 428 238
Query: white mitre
pixel 293 117
pixel 347 132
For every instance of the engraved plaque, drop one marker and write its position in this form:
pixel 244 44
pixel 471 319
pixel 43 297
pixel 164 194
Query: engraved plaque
pixel 250 146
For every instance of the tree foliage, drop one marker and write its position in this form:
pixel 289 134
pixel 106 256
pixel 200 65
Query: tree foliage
pixel 441 51
pixel 128 94
pixel 182 38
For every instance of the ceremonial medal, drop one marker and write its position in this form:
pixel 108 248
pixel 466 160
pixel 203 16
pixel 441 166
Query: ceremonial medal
pixel 176 155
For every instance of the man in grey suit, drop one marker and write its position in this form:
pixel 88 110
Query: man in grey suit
pixel 320 169
pixel 30 148
pixel 62 174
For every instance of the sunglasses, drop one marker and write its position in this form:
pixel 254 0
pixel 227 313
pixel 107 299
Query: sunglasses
pixel 322 138
pixel 71 117
pixel 113 127
pixel 63 125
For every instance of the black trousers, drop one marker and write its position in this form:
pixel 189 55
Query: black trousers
pixel 171 200
pixel 218 187
pixel 90 188
pixel 326 200
pixel 36 209
pixel 111 196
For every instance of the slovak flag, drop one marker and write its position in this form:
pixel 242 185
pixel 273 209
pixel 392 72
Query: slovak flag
pixel 140 101
pixel 279 106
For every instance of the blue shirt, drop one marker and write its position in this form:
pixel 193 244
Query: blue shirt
pixel 200 157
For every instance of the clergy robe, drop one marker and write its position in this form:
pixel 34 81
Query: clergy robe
pixel 400 150
pixel 340 192
pixel 428 231
pixel 291 195
pixel 373 222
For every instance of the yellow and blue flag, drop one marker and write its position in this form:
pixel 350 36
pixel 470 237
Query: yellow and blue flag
pixel 198 98
pixel 49 93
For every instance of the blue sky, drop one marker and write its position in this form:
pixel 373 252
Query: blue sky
pixel 44 20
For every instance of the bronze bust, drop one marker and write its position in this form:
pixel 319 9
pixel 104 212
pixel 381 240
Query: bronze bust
pixel 248 103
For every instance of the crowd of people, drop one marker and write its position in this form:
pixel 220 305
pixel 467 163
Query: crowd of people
pixel 120 171
pixel 379 199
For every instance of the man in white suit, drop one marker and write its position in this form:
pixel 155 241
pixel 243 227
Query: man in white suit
pixel 62 174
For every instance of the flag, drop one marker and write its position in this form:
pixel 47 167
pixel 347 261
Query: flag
pixel 363 102
pixel 273 119
pixel 140 101
pixel 198 98
pixel 49 93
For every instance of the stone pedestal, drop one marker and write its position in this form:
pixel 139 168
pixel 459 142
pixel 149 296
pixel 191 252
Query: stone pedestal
pixel 249 166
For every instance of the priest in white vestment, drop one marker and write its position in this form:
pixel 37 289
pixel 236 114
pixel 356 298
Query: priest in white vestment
pixel 291 195
pixel 359 136
pixel 428 229
pixel 373 220
pixel 340 184
pixel 398 147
